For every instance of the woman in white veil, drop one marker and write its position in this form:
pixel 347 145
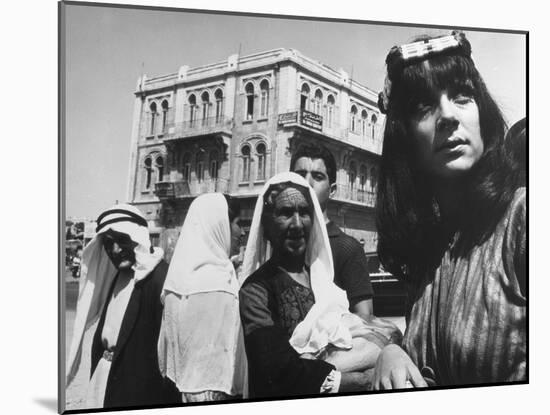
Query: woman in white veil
pixel 300 337
pixel 200 344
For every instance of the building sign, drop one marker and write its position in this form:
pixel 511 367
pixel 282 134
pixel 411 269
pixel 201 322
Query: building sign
pixel 288 118
pixel 312 120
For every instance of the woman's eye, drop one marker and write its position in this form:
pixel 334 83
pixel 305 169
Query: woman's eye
pixel 462 99
pixel 423 109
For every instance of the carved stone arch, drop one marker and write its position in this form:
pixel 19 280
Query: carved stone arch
pixel 208 93
pixel 247 82
pixel 263 80
pixel 219 92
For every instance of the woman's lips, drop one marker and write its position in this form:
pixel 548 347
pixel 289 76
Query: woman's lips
pixel 451 144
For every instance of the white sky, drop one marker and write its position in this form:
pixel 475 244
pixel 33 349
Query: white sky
pixel 108 48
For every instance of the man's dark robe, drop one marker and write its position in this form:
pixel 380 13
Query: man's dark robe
pixel 134 378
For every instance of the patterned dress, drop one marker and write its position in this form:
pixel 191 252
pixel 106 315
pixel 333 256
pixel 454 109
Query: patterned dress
pixel 467 321
pixel 272 304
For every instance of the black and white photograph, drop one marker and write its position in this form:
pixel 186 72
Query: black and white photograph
pixel 265 207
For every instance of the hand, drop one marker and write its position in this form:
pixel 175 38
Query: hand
pixel 394 368
pixel 236 260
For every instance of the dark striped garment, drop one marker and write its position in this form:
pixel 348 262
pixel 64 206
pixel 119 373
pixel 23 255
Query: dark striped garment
pixel 468 322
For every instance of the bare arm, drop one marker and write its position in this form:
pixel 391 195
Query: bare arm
pixel 356 381
pixel 363 309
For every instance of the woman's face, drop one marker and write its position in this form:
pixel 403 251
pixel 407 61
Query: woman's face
pixel 236 235
pixel 289 225
pixel 447 135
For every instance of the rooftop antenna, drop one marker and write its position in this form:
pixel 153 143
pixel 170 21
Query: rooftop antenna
pixel 142 73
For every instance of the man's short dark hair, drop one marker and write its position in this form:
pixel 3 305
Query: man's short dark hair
pixel 316 152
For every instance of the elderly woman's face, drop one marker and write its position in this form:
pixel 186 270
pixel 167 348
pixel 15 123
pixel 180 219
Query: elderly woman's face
pixel 447 135
pixel 289 224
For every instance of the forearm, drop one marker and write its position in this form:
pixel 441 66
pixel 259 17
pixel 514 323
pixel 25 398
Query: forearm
pixel 363 308
pixel 362 356
pixel 277 369
pixel 356 381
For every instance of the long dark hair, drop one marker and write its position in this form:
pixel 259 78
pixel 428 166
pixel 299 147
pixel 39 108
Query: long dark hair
pixel 233 207
pixel 412 234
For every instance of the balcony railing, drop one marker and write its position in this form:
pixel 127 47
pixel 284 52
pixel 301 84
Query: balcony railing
pixel 313 121
pixel 180 189
pixel 204 126
pixel 354 194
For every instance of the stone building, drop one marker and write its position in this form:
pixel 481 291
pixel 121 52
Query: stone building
pixel 229 126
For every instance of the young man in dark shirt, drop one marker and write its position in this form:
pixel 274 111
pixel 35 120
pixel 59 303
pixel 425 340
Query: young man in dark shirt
pixel 317 165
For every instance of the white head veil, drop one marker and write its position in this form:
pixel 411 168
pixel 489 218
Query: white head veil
pixel 201 258
pixel 193 351
pixel 323 323
pixel 97 272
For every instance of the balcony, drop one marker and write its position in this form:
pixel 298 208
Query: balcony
pixel 353 194
pixel 202 127
pixel 366 140
pixel 182 189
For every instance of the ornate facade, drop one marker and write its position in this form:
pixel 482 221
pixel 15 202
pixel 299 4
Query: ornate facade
pixel 229 126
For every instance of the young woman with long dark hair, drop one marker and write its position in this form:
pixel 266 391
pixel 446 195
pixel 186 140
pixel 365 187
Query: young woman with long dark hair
pixel 451 220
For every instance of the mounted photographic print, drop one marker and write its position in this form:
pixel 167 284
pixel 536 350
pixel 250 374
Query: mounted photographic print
pixel 263 207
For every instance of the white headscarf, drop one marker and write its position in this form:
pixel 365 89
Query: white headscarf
pixel 323 323
pixel 201 258
pixel 97 272
pixel 200 344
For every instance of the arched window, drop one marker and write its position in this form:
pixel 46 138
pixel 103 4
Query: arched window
pixel 330 110
pixel 164 106
pixel 353 118
pixel 186 167
pixel 363 177
pixel 364 122
pixel 318 102
pixel 192 110
pixel 264 98
pixel 249 90
pixel 373 120
pixel 214 164
pixel 373 180
pixel 245 155
pixel 205 98
pixel 148 165
pixel 159 166
pixel 199 165
pixel 304 97
pixel 218 95
pixel 261 151
pixel 153 108
pixel 352 175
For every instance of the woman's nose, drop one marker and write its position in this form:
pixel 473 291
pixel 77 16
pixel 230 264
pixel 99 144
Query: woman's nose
pixel 447 114
pixel 296 220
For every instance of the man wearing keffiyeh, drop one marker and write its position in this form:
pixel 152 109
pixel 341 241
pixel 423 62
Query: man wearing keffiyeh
pixel 121 280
